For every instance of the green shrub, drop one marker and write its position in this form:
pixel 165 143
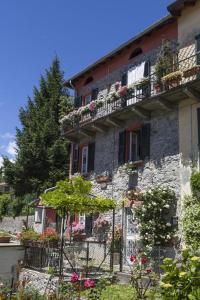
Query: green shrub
pixel 181 280
pixel 195 184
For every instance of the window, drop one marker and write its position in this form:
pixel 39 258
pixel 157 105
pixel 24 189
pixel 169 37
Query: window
pixel 135 53
pixel 88 80
pixel 134 144
pixel 87 99
pixel 84 166
pixel 38 214
pixel 94 95
pixel 124 79
pixel 78 102
pixel 83 158
pixel 133 151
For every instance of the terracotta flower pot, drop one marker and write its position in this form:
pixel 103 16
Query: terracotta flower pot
pixel 191 72
pixel 5 239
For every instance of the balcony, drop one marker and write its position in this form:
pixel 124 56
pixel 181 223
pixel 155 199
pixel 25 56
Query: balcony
pixel 180 81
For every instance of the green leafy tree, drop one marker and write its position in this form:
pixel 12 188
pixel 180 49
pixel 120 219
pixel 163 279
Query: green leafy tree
pixel 42 154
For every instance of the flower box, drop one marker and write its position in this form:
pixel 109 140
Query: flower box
pixel 142 83
pixel 103 178
pixel 5 239
pixel 79 237
pixel 172 79
pixel 191 71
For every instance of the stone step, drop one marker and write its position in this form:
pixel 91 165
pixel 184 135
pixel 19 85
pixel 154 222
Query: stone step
pixel 123 277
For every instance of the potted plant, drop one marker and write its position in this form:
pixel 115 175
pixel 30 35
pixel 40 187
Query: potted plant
pixel 192 71
pixel 78 232
pixel 101 228
pixel 4 237
pixel 116 244
pixel 142 83
pixel 113 97
pixel 172 79
pixel 164 64
pixel 29 237
pixel 49 237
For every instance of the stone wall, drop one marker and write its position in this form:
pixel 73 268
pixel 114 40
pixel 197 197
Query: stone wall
pixel 15 224
pixel 39 281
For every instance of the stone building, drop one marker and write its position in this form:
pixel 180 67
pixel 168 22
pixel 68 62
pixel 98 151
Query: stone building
pixel 123 114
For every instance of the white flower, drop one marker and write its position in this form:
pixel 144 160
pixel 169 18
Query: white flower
pixel 166 206
pixel 168 224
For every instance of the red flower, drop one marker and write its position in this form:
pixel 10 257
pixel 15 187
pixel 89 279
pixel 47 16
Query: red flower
pixel 144 260
pixel 74 278
pixel 148 270
pixel 89 283
pixel 133 258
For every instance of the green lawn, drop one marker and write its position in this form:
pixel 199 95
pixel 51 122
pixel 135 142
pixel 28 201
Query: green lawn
pixel 118 292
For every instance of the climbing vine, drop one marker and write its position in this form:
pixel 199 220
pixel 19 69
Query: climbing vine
pixel 155 216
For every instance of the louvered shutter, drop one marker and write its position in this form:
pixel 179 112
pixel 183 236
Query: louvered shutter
pixel 88 224
pixel 78 102
pixel 147 67
pixel 122 147
pixel 75 159
pixel 198 49
pixel 124 79
pixel 95 94
pixel 91 157
pixel 145 141
pixel 198 126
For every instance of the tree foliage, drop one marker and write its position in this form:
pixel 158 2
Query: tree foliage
pixel 74 195
pixel 42 154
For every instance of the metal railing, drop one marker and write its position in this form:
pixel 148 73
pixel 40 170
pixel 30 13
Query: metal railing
pixel 150 89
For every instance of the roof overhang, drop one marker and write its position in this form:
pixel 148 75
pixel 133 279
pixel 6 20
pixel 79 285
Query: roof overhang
pixel 166 20
pixel 176 7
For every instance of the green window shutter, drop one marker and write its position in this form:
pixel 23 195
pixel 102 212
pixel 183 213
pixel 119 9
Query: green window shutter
pixel 75 159
pixel 91 157
pixel 145 141
pixel 124 79
pixel 122 148
pixel 147 68
pixel 198 126
pixel 78 102
pixel 95 94
pixel 88 224
pixel 198 48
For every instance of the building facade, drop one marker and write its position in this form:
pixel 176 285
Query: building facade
pixel 126 117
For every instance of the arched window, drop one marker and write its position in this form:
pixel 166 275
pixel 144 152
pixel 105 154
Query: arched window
pixel 88 80
pixel 136 52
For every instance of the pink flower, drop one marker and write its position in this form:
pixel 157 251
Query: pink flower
pixel 92 106
pixel 74 278
pixel 148 270
pixel 143 260
pixel 89 283
pixel 133 258
pixel 123 91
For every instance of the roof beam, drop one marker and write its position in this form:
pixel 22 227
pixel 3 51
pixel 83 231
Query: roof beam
pixel 141 112
pixel 165 104
pixel 87 133
pixel 99 128
pixel 114 122
pixel 192 93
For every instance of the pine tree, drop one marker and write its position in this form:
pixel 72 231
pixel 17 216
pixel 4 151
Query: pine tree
pixel 42 155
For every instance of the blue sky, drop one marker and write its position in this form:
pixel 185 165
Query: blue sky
pixel 79 32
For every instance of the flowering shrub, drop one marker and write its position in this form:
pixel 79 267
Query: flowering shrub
pixel 142 275
pixel 49 235
pixel 78 228
pixel 116 243
pixel 101 228
pixel 154 215
pixel 181 279
pixel 89 283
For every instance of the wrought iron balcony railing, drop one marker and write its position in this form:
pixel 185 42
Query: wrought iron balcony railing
pixel 185 70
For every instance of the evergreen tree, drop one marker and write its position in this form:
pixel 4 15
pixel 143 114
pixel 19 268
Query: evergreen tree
pixel 42 154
